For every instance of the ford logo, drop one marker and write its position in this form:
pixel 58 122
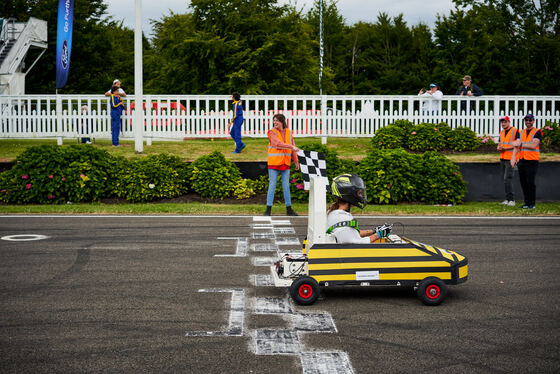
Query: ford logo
pixel 64 55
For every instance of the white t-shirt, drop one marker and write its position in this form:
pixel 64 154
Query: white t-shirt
pixel 430 102
pixel 345 234
pixel 120 91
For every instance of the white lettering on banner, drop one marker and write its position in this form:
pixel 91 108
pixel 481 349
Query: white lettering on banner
pixel 367 275
pixel 66 15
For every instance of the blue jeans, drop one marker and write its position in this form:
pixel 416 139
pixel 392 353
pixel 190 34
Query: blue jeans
pixel 272 178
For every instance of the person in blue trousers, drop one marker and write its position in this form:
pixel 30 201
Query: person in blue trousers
pixel 117 107
pixel 236 122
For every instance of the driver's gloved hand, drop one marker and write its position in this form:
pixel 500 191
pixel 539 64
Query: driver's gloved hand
pixel 383 231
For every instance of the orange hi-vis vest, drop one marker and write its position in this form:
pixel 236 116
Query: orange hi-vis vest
pixel 507 138
pixel 280 156
pixel 526 138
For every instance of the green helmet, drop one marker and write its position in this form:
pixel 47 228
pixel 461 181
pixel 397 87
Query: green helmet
pixel 351 189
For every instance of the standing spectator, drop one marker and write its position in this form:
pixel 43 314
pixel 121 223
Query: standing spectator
pixel 508 135
pixel 120 92
pixel 117 107
pixel 528 149
pixel 281 151
pixel 84 112
pixel 468 89
pixel 431 101
pixel 236 122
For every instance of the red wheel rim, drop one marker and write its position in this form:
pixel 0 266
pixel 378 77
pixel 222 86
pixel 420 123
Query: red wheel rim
pixel 305 291
pixel 432 291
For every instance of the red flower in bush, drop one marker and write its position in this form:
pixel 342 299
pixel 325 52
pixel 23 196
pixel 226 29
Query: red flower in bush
pixel 28 186
pixel 294 180
pixel 63 179
pixel 50 197
pixel 299 186
pixel 51 176
pixel 25 176
pixel 413 133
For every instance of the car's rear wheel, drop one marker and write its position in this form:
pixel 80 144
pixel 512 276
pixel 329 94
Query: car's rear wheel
pixel 304 290
pixel 432 291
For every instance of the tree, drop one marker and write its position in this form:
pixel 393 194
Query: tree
pixel 251 46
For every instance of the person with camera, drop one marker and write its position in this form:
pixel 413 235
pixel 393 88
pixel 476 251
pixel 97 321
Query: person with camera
pixel 350 190
pixel 120 91
pixel 431 99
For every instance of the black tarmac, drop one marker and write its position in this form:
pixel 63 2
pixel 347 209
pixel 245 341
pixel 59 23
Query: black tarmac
pixel 122 294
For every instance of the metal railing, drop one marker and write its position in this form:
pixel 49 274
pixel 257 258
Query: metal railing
pixel 207 116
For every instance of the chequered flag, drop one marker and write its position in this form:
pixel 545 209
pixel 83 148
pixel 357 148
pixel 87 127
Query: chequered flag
pixel 312 163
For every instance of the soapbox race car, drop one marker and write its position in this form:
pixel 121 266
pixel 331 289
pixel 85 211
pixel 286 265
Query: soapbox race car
pixel 395 260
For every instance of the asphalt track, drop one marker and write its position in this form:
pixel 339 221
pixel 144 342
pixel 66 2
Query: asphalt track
pixel 123 294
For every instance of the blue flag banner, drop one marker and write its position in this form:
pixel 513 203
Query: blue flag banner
pixel 64 40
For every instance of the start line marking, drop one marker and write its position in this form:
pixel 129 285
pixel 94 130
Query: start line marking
pixel 24 238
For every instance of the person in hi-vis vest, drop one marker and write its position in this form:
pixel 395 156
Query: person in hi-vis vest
pixel 526 155
pixel 508 136
pixel 281 151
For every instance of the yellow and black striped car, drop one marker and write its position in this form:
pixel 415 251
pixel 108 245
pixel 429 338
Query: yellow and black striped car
pixel 396 261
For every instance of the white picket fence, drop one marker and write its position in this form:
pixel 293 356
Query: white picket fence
pixel 207 116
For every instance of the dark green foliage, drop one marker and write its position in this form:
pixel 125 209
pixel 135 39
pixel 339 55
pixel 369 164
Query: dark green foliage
pixel 152 178
pixel 439 180
pixel 428 137
pixel 551 135
pixel 213 176
pixel 394 135
pixel 393 176
pixel 390 176
pixel 463 139
pixel 52 174
pixel 266 47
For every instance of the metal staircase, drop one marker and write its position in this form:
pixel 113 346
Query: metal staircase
pixel 16 40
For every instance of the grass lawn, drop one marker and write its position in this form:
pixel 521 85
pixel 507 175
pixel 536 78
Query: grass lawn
pixel 191 149
pixel 197 208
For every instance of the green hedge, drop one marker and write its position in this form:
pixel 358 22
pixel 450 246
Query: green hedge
pixel 53 174
pixel 152 178
pixel 426 137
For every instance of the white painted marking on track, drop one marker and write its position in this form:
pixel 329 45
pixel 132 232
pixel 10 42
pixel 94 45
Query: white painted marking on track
pixel 263 235
pixel 272 305
pixel 287 241
pixel 261 280
pixel 24 237
pixel 313 322
pixel 236 314
pixel 263 261
pixel 240 250
pixel 277 342
pixel 264 247
pixel 326 363
pixel 284 230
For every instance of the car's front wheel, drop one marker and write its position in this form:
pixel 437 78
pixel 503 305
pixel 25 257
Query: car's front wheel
pixel 432 291
pixel 304 290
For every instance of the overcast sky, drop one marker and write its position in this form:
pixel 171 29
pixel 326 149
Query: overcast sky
pixel 414 11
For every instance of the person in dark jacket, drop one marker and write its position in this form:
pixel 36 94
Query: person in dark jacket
pixel 468 88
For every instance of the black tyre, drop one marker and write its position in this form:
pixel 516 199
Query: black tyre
pixel 432 291
pixel 304 290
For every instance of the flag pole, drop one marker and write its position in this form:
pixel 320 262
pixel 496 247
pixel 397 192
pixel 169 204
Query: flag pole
pixel 138 83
